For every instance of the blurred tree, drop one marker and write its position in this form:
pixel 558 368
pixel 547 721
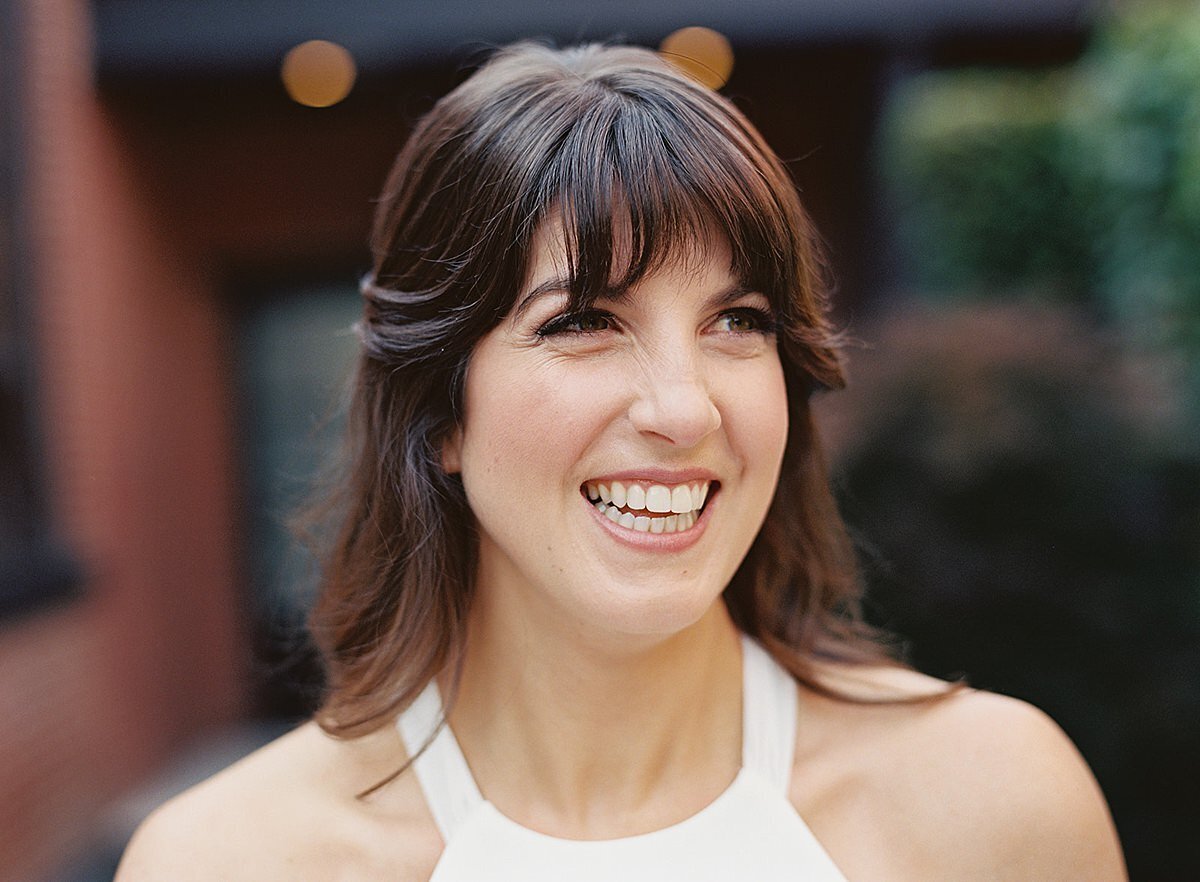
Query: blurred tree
pixel 1080 184
pixel 1133 149
pixel 974 163
pixel 1022 467
pixel 1031 520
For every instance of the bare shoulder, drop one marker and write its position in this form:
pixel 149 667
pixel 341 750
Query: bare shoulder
pixel 291 811
pixel 971 785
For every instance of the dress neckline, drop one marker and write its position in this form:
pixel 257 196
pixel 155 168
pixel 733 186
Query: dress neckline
pixel 680 827
pixel 768 741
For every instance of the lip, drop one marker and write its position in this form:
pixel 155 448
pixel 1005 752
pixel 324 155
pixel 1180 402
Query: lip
pixel 656 476
pixel 664 543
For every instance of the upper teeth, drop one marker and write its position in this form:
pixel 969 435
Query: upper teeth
pixel 659 498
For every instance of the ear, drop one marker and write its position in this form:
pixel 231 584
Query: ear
pixel 452 452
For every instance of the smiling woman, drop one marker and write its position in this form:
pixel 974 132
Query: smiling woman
pixel 641 393
pixel 590 611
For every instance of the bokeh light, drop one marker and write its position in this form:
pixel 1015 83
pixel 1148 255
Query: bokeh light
pixel 701 53
pixel 318 73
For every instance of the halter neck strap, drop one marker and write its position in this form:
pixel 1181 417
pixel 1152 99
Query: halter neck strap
pixel 768 739
pixel 442 770
pixel 769 707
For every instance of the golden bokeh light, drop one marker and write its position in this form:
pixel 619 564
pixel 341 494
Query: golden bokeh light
pixel 701 53
pixel 318 73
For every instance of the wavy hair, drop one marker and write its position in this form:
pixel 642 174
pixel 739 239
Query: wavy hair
pixel 614 144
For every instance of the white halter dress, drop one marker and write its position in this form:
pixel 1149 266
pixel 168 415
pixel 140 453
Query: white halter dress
pixel 750 832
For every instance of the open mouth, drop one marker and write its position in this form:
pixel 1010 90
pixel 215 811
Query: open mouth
pixel 647 507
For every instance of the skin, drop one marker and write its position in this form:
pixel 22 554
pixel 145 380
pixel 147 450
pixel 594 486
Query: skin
pixel 568 611
pixel 569 614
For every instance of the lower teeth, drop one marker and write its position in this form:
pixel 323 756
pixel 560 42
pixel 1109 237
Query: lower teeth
pixel 675 523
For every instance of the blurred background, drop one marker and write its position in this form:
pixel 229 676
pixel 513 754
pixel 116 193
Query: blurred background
pixel 1011 197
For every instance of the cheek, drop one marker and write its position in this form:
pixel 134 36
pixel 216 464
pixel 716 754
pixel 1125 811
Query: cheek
pixel 776 415
pixel 759 421
pixel 522 421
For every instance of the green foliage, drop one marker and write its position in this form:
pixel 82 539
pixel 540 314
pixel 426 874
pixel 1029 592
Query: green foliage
pixel 1077 184
pixel 1134 132
pixel 975 162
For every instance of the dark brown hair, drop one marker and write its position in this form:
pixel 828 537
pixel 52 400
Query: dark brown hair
pixel 605 139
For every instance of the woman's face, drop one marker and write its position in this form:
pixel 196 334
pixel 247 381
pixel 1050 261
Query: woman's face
pixel 620 461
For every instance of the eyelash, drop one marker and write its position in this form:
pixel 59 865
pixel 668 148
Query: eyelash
pixel 765 322
pixel 561 324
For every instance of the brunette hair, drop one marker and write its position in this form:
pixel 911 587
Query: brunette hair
pixel 605 140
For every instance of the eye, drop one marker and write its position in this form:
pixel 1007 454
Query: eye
pixel 746 320
pixel 587 321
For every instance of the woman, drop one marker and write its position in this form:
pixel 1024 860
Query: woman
pixel 586 506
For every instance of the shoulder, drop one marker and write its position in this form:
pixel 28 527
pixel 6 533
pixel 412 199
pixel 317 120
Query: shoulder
pixel 971 785
pixel 291 811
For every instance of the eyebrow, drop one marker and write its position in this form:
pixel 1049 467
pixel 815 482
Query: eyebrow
pixel 722 297
pixel 550 286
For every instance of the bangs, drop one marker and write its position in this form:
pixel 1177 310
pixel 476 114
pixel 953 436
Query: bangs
pixel 638 182
pixel 637 165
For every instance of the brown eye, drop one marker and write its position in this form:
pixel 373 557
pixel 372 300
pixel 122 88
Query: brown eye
pixel 590 321
pixel 745 321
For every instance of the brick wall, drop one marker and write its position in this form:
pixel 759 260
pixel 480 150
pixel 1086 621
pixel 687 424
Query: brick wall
pixel 133 400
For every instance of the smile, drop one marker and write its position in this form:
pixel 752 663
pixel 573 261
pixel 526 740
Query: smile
pixel 649 508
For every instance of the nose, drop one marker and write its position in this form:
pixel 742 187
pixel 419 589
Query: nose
pixel 675 405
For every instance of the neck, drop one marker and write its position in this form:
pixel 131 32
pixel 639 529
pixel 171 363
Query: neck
pixel 594 739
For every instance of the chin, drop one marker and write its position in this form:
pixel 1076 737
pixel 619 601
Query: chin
pixel 661 615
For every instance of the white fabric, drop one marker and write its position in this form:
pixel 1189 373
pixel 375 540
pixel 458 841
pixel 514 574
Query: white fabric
pixel 750 832
pixel 449 787
pixel 768 716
